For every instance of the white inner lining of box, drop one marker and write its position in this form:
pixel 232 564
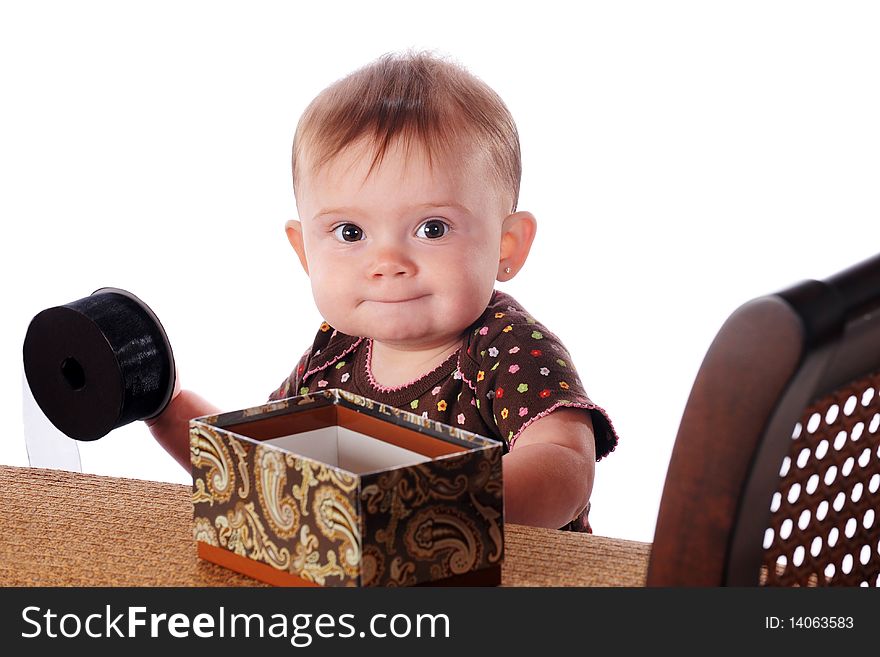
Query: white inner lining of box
pixel 347 449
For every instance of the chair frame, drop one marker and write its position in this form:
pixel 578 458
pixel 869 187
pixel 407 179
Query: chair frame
pixel 771 358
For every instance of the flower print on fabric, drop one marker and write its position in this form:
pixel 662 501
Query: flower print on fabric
pixel 531 377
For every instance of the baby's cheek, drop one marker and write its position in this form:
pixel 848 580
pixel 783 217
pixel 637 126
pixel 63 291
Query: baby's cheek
pixel 329 296
pixel 466 297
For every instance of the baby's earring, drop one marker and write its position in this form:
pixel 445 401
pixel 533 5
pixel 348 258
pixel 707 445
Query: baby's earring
pixel 507 270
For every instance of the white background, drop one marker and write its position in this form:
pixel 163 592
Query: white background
pixel 681 158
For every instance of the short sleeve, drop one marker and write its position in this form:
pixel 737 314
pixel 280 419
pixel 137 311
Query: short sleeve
pixel 290 386
pixel 521 372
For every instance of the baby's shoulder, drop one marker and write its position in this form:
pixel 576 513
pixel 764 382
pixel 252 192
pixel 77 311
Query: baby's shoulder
pixel 505 328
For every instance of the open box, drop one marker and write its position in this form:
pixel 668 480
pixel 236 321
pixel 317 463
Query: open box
pixel 333 489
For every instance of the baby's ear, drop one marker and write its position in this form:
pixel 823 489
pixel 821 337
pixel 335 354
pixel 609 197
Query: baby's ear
pixel 517 234
pixel 293 228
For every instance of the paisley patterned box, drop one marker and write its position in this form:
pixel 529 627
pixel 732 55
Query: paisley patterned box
pixel 332 489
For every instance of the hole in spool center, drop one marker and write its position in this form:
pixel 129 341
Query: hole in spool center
pixel 73 373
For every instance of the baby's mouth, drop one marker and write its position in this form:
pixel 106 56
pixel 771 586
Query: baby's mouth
pixel 401 300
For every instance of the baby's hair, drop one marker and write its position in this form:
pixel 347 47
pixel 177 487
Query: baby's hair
pixel 413 98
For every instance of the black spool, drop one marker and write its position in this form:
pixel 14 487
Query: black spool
pixel 99 363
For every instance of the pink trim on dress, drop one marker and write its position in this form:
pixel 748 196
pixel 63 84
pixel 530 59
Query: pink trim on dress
pixel 461 371
pixel 330 362
pixel 567 404
pixel 378 386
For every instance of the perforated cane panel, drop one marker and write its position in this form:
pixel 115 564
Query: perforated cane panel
pixel 824 528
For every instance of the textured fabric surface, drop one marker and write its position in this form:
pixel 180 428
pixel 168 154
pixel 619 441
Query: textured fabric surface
pixel 60 528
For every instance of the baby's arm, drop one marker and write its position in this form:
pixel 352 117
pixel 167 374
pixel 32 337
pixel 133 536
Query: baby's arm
pixel 548 473
pixel 171 428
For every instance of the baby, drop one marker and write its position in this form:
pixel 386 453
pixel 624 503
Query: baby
pixel 406 176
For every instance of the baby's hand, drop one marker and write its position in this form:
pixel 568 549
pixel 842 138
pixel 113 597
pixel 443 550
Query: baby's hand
pixel 151 421
pixel 171 427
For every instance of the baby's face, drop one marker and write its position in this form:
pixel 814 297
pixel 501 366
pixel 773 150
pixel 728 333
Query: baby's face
pixel 407 255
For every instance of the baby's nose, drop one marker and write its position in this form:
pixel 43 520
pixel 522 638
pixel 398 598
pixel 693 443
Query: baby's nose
pixel 392 263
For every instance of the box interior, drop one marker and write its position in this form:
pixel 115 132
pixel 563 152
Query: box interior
pixel 347 449
pixel 342 437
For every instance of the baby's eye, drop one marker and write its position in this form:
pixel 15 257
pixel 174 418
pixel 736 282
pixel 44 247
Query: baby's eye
pixel 348 233
pixel 432 229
